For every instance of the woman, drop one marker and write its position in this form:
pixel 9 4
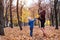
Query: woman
pixel 41 18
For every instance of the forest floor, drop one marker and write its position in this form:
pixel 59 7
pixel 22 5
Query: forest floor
pixel 16 34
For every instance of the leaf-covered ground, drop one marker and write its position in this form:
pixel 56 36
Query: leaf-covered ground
pixel 16 34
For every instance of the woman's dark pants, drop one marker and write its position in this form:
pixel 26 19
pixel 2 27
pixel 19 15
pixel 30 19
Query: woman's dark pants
pixel 42 23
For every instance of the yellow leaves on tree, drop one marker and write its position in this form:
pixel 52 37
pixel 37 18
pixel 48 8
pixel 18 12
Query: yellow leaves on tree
pixel 25 15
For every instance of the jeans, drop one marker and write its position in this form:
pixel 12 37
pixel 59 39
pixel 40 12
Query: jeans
pixel 31 31
pixel 42 23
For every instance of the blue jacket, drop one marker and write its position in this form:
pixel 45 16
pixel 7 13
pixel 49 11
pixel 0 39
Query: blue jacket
pixel 31 23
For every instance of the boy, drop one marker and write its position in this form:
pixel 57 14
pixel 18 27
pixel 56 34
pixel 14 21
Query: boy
pixel 31 24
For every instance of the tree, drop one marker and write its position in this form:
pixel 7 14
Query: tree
pixel 58 5
pixel 55 8
pixel 1 18
pixel 6 15
pixel 21 8
pixel 11 23
pixel 19 22
pixel 39 10
pixel 52 22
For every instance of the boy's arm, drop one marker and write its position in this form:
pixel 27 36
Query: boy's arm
pixel 29 23
pixel 35 19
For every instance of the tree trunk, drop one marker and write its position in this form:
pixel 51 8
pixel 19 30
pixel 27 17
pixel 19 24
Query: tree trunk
pixel 11 23
pixel 6 18
pixel 59 17
pixel 55 5
pixel 1 18
pixel 19 22
pixel 59 14
pixel 38 11
pixel 52 22
pixel 6 15
pixel 21 14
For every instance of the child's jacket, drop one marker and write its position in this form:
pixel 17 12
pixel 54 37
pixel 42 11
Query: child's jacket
pixel 31 23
